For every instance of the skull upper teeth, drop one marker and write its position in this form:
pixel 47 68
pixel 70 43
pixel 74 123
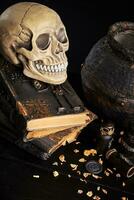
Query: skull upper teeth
pixel 50 68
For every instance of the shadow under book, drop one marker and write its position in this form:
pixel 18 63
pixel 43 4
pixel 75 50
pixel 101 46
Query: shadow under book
pixel 46 117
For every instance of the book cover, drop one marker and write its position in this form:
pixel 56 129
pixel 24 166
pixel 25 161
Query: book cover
pixel 39 147
pixel 37 113
pixel 52 142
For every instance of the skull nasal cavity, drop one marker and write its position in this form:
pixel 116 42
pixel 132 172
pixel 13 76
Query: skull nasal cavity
pixel 43 41
pixel 59 48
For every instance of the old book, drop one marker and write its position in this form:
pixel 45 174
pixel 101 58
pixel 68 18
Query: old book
pixel 52 142
pixel 40 147
pixel 45 132
pixel 44 147
pixel 38 113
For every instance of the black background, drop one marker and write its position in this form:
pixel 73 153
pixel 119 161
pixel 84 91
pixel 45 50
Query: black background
pixel 86 22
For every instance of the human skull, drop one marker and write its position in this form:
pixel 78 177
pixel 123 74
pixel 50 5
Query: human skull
pixel 34 35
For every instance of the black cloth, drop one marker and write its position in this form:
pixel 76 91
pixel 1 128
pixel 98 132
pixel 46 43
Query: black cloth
pixel 18 168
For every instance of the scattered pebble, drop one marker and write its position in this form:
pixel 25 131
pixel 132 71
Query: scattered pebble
pixel 86 174
pixel 62 158
pixel 78 172
pixel 55 173
pixel 69 176
pixel 118 175
pixel 122 133
pixel 36 176
pixel 106 173
pixel 81 179
pixel 74 166
pixel 89 152
pixel 104 191
pixel 80 191
pixel 98 188
pixel 123 184
pixel 76 151
pixel 110 170
pixel 96 176
pixel 96 197
pixel 100 161
pixel 55 163
pixel 89 193
pixel 77 142
pixel 82 160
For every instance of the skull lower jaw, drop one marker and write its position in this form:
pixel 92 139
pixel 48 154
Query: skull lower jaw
pixel 55 78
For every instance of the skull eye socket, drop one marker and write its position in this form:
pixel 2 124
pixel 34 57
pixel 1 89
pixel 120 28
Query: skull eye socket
pixel 43 41
pixel 61 36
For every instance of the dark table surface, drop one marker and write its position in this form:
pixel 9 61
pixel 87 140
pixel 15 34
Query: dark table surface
pixel 25 177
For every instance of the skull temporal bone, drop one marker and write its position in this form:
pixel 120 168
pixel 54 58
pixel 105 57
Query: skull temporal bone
pixel 34 35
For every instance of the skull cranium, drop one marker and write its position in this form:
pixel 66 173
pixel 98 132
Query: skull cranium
pixel 34 35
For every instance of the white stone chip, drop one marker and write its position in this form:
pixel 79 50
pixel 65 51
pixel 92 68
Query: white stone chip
pixel 62 158
pixel 36 176
pixel 80 191
pixel 76 151
pixel 55 173
pixel 82 160
pixel 89 193
pixel 55 163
